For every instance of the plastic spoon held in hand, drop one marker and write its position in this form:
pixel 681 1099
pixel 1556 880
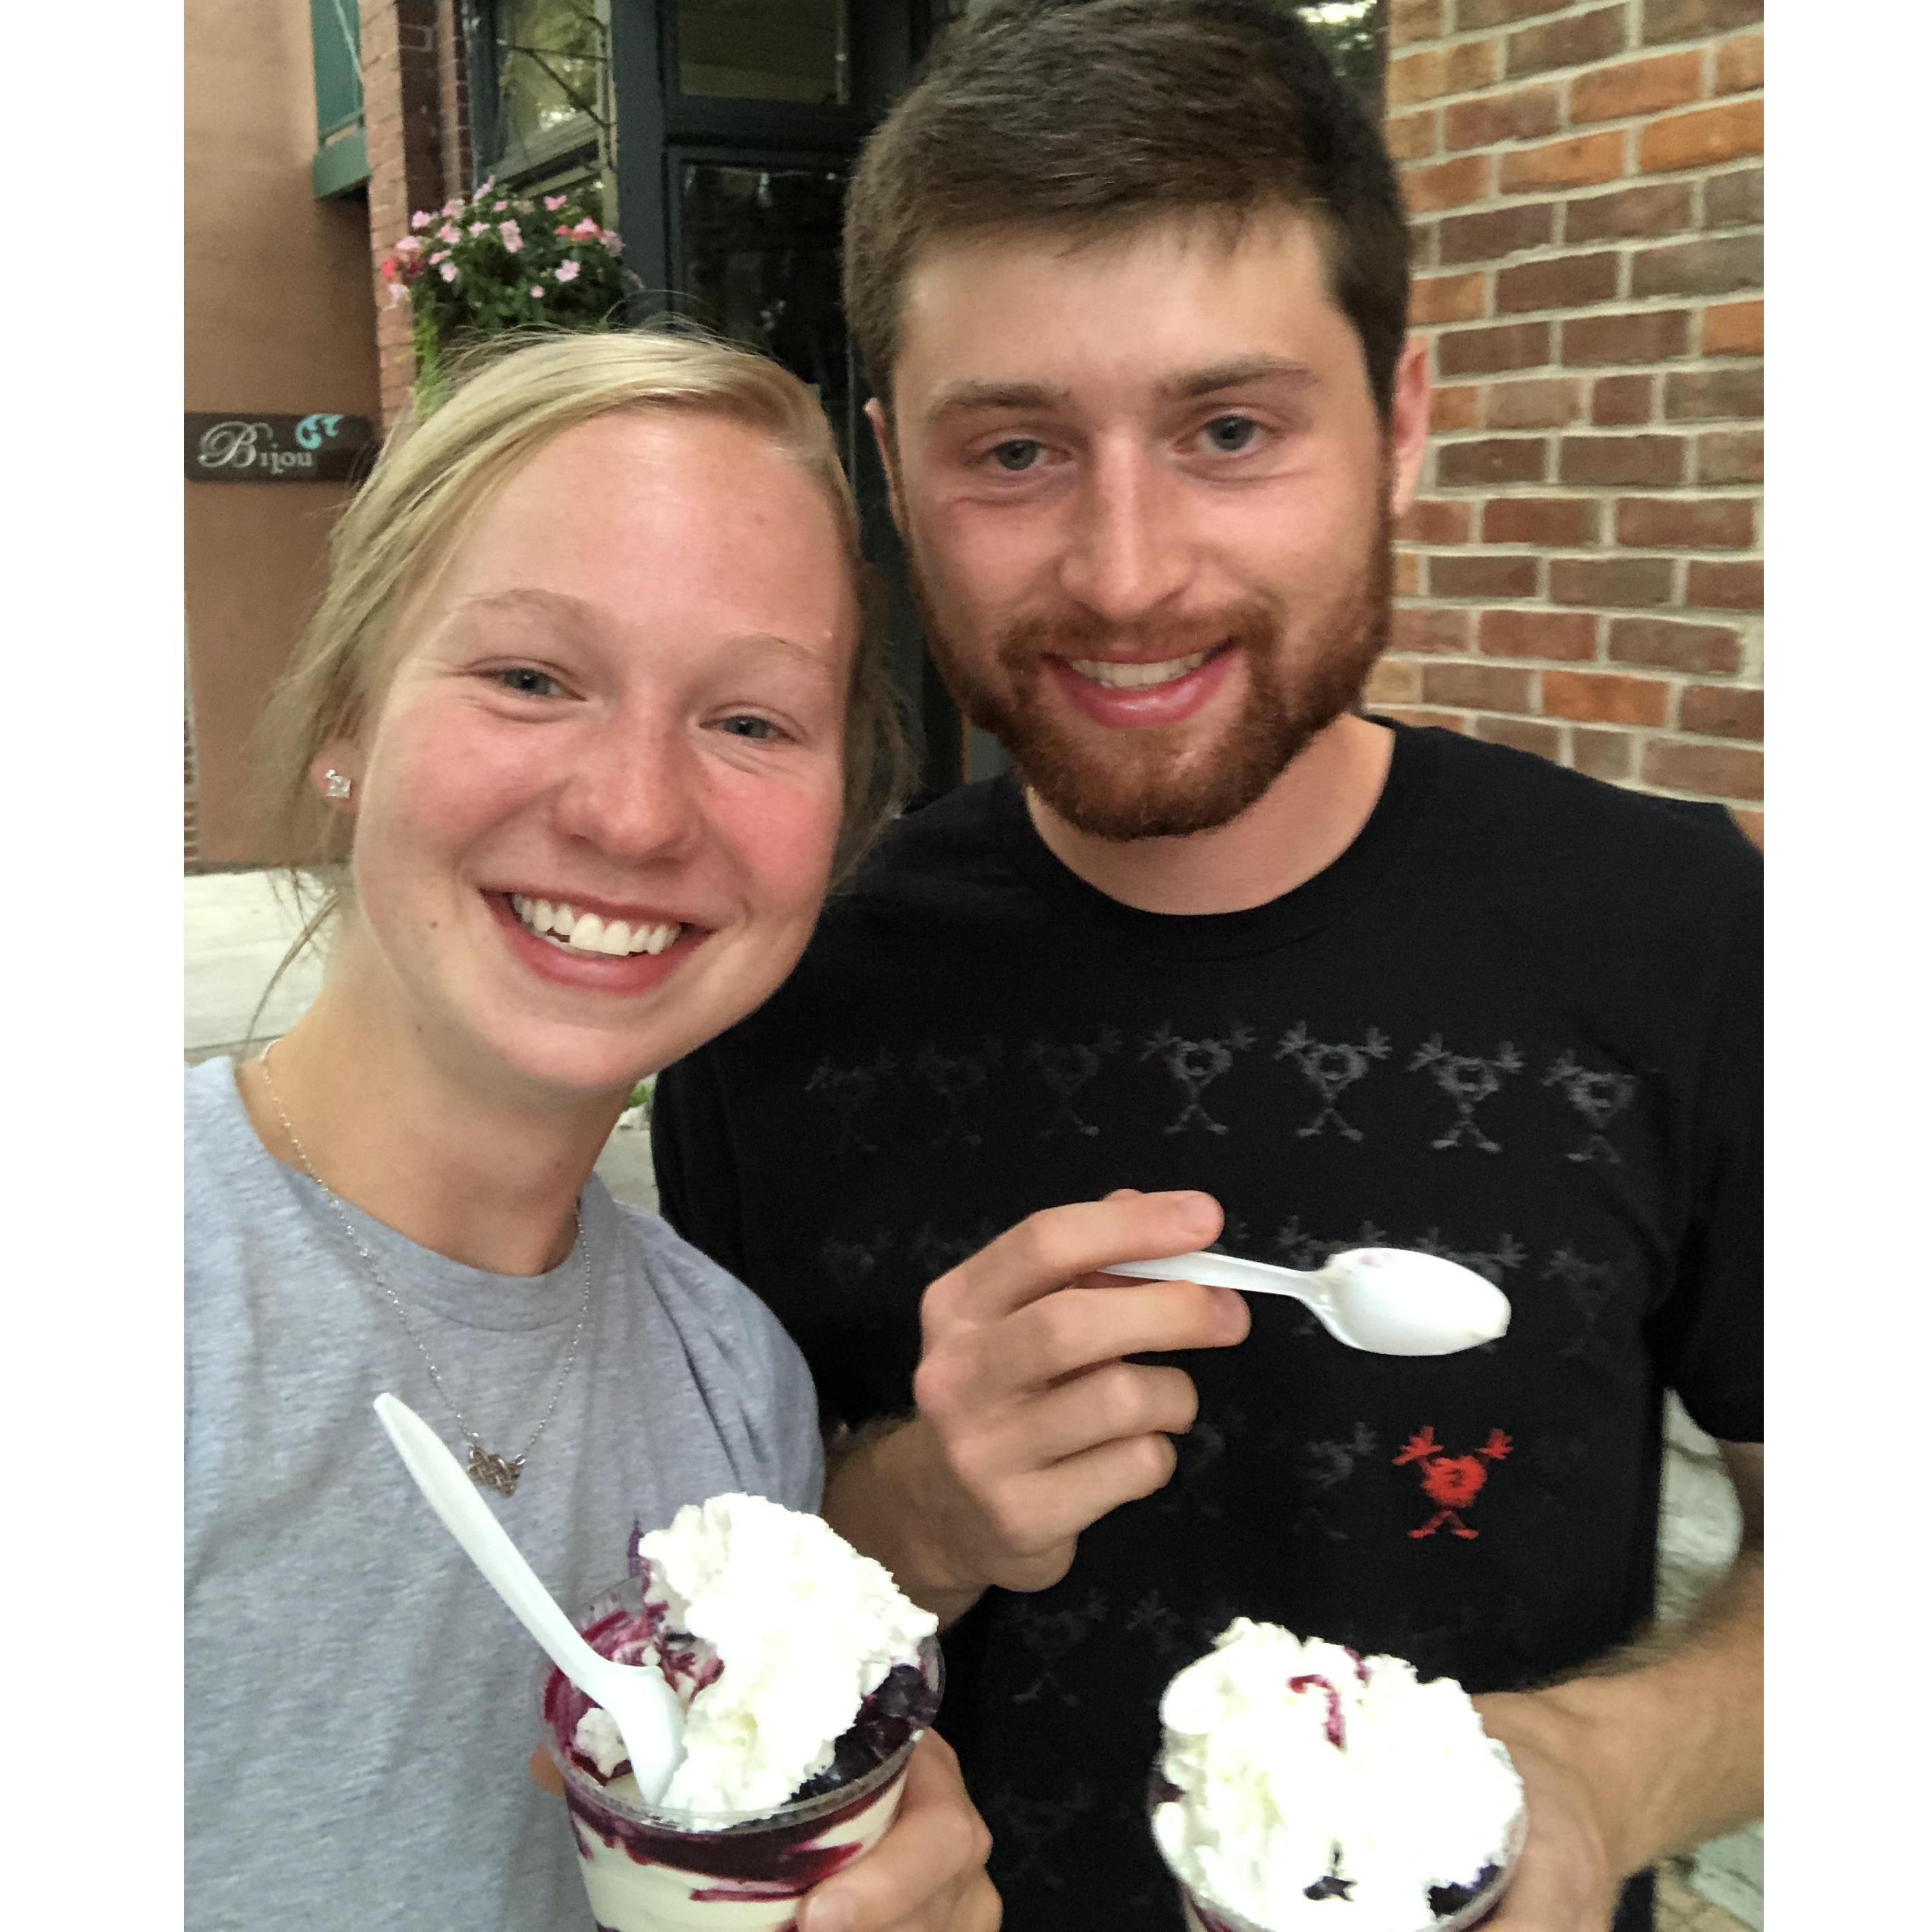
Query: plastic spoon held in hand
pixel 644 1706
pixel 1390 1301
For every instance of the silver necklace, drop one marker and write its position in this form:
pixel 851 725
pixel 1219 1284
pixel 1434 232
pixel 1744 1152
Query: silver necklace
pixel 487 1471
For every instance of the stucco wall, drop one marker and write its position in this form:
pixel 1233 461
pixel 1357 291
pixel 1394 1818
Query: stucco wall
pixel 280 318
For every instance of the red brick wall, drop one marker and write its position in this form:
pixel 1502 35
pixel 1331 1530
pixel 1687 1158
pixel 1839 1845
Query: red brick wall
pixel 406 46
pixel 1582 573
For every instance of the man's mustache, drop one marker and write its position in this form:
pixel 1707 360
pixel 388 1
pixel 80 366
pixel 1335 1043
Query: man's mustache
pixel 1250 624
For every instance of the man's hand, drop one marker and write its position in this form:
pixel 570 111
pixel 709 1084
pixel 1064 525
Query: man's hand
pixel 927 1874
pixel 1565 1882
pixel 1030 1425
pixel 1657 1751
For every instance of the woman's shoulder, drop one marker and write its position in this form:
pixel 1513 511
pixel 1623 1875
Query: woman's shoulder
pixel 699 1296
pixel 748 1368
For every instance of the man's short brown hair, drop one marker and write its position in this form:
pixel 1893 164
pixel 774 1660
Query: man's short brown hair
pixel 1089 118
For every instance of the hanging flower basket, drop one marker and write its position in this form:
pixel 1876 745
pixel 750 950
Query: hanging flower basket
pixel 498 261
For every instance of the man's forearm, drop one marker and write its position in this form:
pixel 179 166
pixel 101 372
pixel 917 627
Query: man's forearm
pixel 874 1499
pixel 1671 1743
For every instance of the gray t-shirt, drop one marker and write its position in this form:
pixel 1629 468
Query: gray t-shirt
pixel 360 1705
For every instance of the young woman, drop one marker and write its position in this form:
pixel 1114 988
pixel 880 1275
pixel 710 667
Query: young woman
pixel 587 716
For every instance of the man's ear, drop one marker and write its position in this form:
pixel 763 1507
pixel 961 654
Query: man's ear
pixel 1408 426
pixel 889 459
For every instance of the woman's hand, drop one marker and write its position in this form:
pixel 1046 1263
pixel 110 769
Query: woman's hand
pixel 928 1873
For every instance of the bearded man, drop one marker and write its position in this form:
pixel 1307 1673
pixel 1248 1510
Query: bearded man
pixel 1223 958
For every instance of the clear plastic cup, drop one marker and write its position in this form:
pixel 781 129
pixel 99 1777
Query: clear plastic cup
pixel 649 1870
pixel 1202 1915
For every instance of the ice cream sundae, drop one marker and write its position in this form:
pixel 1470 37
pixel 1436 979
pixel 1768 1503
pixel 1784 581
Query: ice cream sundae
pixel 806 1678
pixel 1302 1787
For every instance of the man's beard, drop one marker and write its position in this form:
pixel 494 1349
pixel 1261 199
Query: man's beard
pixel 1126 784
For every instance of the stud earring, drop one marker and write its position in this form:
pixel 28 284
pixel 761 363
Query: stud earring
pixel 336 784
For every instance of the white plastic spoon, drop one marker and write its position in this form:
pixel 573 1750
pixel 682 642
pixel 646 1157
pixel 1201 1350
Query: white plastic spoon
pixel 1390 1301
pixel 644 1706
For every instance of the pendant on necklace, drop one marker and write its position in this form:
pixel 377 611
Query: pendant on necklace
pixel 493 1472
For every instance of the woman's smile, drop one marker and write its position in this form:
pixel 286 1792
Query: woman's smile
pixel 595 952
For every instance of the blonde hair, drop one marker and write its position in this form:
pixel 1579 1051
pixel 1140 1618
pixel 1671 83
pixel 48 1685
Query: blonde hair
pixel 434 479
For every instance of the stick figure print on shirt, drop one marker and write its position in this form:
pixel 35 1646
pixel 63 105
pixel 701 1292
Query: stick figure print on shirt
pixel 1197 1064
pixel 1066 1069
pixel 953 1080
pixel 1031 1824
pixel 1050 1636
pixel 1468 1079
pixel 935 1252
pixel 1324 1466
pixel 1294 1249
pixel 849 1263
pixel 848 1089
pixel 1599 1094
pixel 1590 1287
pixel 1330 1067
pixel 1452 1482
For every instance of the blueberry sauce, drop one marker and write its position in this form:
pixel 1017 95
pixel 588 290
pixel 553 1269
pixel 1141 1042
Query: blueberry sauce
pixel 1334 1885
pixel 1333 1728
pixel 1446 1900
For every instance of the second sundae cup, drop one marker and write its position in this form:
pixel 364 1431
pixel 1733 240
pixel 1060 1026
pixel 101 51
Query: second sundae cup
pixel 1303 1786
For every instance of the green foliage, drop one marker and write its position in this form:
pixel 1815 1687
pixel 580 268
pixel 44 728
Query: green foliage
pixel 498 261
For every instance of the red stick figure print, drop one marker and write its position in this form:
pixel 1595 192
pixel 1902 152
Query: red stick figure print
pixel 1451 1482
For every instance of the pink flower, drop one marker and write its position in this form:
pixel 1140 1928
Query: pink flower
pixel 479 228
pixel 565 232
pixel 537 291
pixel 449 232
pixel 497 207
pixel 612 242
pixel 420 220
pixel 410 246
pixel 513 237
pixel 554 201
pixel 453 206
pixel 448 272
pixel 567 271
pixel 386 268
pixel 587 228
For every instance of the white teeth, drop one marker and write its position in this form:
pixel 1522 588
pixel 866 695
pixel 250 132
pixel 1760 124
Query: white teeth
pixel 1138 677
pixel 587 932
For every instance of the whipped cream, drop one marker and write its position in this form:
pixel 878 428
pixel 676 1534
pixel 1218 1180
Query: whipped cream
pixel 1303 1765
pixel 775 1631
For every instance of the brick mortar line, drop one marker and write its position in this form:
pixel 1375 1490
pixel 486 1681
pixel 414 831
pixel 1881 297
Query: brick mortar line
pixel 1513 549
pixel 1641 736
pixel 1679 681
pixel 1572 131
pixel 1638 49
pixel 1500 200
pixel 1541 252
pixel 1705 613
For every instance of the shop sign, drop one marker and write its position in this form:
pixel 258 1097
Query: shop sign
pixel 319 448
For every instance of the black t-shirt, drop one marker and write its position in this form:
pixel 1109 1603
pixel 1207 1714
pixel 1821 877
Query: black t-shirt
pixel 1517 1023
